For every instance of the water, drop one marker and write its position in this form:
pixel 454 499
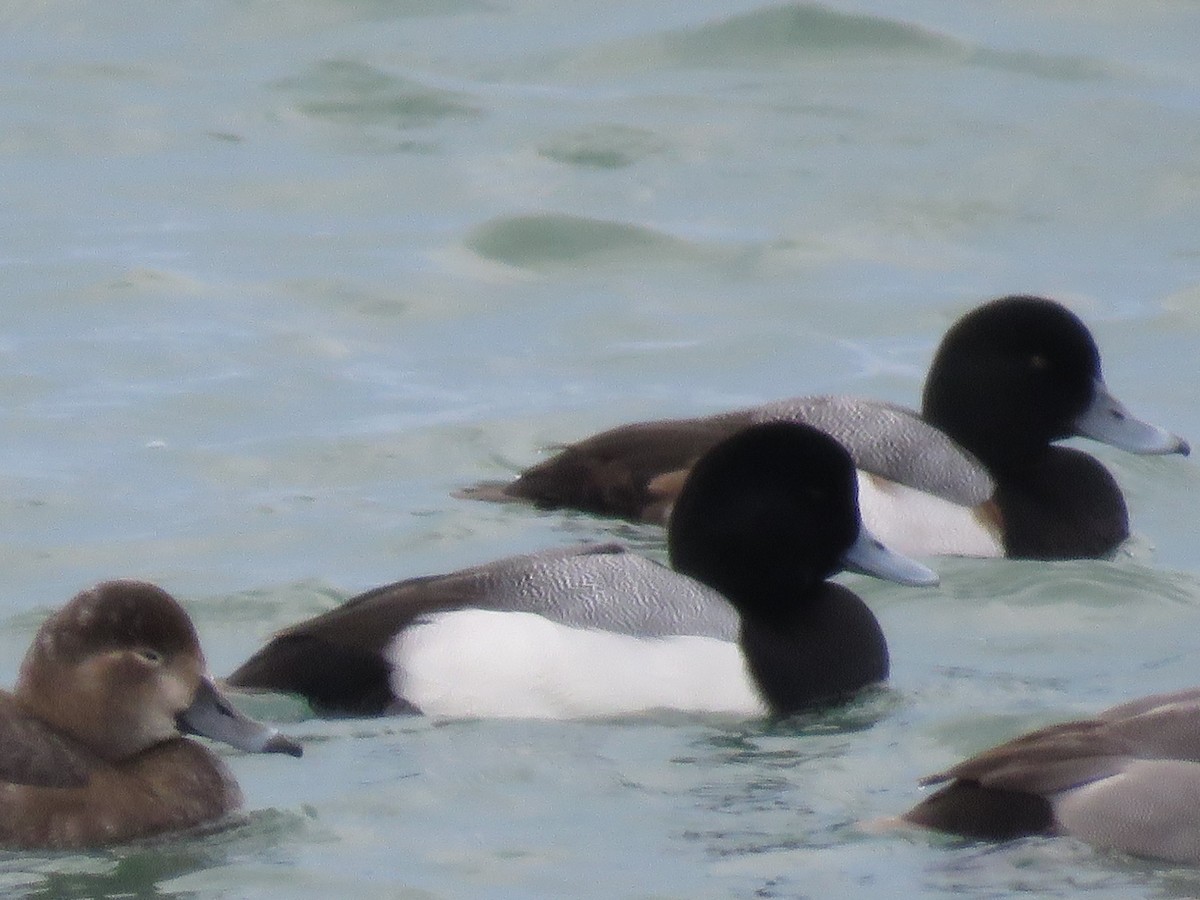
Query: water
pixel 277 278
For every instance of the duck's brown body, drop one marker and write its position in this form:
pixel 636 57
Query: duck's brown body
pixel 80 800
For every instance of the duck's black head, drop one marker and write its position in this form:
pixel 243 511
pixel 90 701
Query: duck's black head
pixel 1010 377
pixel 766 514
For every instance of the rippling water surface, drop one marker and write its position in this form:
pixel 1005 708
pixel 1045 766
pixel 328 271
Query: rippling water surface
pixel 277 278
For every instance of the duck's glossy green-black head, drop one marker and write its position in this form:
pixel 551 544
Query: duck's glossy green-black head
pixel 772 509
pixel 1011 376
pixel 1020 372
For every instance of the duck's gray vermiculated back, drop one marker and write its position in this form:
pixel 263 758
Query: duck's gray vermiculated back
pixel 607 588
pixel 889 441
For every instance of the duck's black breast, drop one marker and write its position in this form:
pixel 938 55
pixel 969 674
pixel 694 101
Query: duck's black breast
pixel 831 647
pixel 1065 506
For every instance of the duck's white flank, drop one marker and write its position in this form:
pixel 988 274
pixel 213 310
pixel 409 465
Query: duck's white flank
pixel 483 663
pixel 915 523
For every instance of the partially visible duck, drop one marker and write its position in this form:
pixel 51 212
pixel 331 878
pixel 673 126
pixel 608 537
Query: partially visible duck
pixel 1128 780
pixel 975 474
pixel 91 740
pixel 745 624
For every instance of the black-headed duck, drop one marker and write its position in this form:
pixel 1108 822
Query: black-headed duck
pixel 975 474
pixel 746 623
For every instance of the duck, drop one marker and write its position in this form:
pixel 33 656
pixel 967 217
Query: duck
pixel 92 738
pixel 743 622
pixel 976 473
pixel 1126 780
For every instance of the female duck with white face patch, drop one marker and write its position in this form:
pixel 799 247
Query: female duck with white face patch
pixel 91 741
pixel 745 624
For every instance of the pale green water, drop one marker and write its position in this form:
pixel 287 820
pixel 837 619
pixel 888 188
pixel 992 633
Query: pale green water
pixel 279 277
